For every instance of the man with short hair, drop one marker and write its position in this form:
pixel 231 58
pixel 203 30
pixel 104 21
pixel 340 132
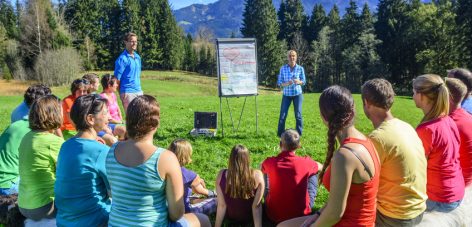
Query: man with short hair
pixel 457 91
pixel 33 93
pixel 465 76
pixel 401 199
pixel 291 79
pixel 128 70
pixel 291 181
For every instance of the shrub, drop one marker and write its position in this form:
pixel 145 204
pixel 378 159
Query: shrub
pixel 58 67
pixel 13 61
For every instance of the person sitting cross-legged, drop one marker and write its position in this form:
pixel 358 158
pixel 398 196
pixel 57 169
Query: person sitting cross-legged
pixel 146 180
pixel 81 183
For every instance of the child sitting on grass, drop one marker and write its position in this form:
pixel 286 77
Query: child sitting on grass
pixel 192 182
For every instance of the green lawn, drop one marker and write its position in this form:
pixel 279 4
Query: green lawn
pixel 181 94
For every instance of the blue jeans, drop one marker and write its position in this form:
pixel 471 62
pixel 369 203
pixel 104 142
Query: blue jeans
pixel 12 190
pixel 312 188
pixel 297 109
pixel 441 207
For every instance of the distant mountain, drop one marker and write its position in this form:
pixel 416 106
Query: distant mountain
pixel 225 16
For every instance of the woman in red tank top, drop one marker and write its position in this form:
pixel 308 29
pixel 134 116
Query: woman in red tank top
pixel 350 173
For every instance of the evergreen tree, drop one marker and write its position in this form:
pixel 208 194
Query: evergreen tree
pixel 170 38
pixel 110 41
pixel 335 40
pixel 366 19
pixel 396 51
pixel 203 67
pixel 270 51
pixel 8 19
pixel 131 18
pixel 317 21
pixel 464 23
pixel 292 21
pixel 189 61
pixel 211 58
pixel 247 27
pixel 350 25
pixel 151 51
pixel 80 16
pixel 323 62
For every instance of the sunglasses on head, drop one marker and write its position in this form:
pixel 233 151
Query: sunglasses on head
pixel 81 81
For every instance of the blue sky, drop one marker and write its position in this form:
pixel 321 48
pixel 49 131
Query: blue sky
pixel 177 4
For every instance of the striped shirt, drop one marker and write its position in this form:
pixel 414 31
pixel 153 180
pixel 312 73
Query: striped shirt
pixel 139 196
pixel 287 75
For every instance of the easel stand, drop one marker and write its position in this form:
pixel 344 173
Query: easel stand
pixel 231 114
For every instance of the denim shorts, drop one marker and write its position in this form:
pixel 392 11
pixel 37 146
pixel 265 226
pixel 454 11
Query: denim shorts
pixel 441 207
pixel 12 190
pixel 182 222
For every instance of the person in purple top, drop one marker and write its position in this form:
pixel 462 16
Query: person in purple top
pixel 290 79
pixel 192 182
pixel 128 70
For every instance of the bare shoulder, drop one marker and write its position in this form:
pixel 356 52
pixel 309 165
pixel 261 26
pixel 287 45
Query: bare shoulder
pixel 258 175
pixel 220 174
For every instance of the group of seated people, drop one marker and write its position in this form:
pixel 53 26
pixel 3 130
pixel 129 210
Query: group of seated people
pixel 81 174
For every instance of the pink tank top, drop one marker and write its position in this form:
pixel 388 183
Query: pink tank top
pixel 112 105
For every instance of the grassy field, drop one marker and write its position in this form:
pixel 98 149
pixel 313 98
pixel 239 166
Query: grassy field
pixel 181 94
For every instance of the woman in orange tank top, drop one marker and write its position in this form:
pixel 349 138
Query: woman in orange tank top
pixel 350 173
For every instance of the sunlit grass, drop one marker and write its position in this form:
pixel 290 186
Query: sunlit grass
pixel 181 94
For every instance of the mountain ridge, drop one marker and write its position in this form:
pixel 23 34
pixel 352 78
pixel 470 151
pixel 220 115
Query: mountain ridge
pixel 224 17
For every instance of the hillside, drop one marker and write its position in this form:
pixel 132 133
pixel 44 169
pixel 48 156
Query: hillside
pixel 224 16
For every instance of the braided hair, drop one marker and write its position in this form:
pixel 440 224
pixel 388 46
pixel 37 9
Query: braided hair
pixel 337 109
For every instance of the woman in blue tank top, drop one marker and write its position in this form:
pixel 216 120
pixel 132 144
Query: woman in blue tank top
pixel 146 181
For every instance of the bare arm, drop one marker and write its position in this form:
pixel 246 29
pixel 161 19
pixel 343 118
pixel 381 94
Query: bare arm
pixel 257 203
pixel 342 170
pixel 198 186
pixel 169 170
pixel 221 209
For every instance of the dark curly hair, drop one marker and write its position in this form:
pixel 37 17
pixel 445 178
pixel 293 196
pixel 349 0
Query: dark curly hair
pixel 337 108
pixel 35 92
pixel 142 116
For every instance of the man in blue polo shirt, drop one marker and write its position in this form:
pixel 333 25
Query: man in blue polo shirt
pixel 291 78
pixel 128 70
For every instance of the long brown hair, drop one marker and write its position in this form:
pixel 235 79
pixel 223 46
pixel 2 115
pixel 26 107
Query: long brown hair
pixel 240 182
pixel 434 88
pixel 337 108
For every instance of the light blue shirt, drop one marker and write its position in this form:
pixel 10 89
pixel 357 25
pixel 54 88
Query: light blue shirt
pixel 287 75
pixel 139 193
pixel 467 105
pixel 81 184
pixel 128 72
pixel 20 112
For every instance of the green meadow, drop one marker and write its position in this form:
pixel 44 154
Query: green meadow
pixel 180 94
